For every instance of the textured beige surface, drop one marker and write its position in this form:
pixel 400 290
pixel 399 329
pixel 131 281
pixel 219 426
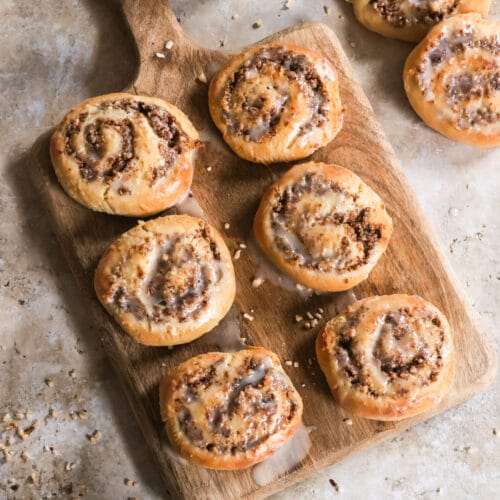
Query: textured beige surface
pixel 57 53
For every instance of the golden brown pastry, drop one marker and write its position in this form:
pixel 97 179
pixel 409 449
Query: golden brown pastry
pixel 452 79
pixel 125 154
pixel 167 281
pixel 276 103
pixel 387 357
pixel 323 226
pixel 229 410
pixel 410 20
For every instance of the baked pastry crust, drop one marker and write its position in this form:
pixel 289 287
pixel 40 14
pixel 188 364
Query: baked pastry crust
pixel 229 410
pixel 125 154
pixel 411 20
pixel 276 103
pixel 387 357
pixel 167 281
pixel 452 79
pixel 323 226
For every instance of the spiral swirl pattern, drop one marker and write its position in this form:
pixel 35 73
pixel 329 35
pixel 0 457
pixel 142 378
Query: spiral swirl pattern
pixel 387 357
pixel 167 281
pixel 229 411
pixel 276 103
pixel 452 79
pixel 323 225
pixel 125 154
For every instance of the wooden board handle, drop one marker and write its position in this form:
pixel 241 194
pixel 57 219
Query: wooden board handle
pixel 152 24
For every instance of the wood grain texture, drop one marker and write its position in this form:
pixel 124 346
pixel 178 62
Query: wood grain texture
pixel 230 192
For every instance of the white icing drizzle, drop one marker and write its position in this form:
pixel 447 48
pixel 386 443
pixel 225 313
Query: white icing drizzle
pixel 226 336
pixel 267 271
pixel 289 456
pixel 190 206
pixel 344 299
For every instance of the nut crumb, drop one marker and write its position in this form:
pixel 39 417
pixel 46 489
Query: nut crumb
pixel 347 421
pixel 257 24
pixel 296 364
pixel 302 385
pixel 160 55
pixel 298 318
pixel 314 323
pixel 21 435
pixel 248 317
pixel 227 225
pixel 243 246
pixel 321 310
pixel 288 363
pixel 209 169
pixel 237 254
pixel 94 437
pixel 202 77
pixel 257 282
pixel 299 287
pixel 169 45
pixel 307 325
pixel 309 315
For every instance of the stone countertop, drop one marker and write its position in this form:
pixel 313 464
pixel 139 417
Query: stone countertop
pixel 54 54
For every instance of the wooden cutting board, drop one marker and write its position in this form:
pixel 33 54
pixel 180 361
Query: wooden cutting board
pixel 230 192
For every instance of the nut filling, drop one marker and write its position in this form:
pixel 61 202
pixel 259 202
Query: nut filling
pixel 402 13
pixel 233 405
pixel 256 97
pixel 405 353
pixel 177 282
pixel 463 66
pixel 104 147
pixel 317 225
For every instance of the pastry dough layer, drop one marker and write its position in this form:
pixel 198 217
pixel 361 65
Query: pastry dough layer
pixel 167 281
pixel 452 79
pixel 125 154
pixel 323 226
pixel 229 410
pixel 387 357
pixel 276 103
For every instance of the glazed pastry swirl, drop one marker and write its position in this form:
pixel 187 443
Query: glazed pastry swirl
pixel 387 357
pixel 229 411
pixel 322 225
pixel 411 19
pixel 167 281
pixel 452 79
pixel 276 103
pixel 125 154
